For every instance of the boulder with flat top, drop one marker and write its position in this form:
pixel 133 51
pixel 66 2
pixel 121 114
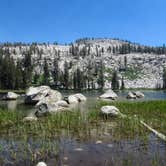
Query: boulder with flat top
pixel 110 110
pixel 42 94
pixel 10 96
pixel 110 94
pixel 76 98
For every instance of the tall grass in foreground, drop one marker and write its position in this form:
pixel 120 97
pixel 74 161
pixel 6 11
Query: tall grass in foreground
pixel 37 139
pixel 152 112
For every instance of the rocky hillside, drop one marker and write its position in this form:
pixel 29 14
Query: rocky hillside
pixel 139 66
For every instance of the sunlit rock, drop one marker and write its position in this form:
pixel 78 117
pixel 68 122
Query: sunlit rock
pixel 130 95
pixel 110 94
pixel 10 96
pixel 76 98
pixel 72 99
pixel 47 108
pixel 110 110
pixel 139 94
pixel 41 164
pixel 62 103
pixel 41 94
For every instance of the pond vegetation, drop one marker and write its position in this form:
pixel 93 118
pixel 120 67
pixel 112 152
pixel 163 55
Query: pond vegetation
pixel 41 140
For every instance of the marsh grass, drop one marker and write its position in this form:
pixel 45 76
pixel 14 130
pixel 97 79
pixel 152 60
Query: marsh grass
pixel 151 112
pixel 77 124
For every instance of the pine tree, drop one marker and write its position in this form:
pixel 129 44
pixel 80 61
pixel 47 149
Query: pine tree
pixel 55 73
pixel 101 76
pixel 89 74
pixel 75 80
pixel 46 74
pixel 28 68
pixel 164 78
pixel 79 79
pixel 125 62
pixel 122 84
pixel 36 79
pixel 115 81
pixel 66 75
pixel 19 76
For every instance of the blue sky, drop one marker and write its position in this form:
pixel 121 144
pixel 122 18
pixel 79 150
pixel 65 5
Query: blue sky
pixel 141 21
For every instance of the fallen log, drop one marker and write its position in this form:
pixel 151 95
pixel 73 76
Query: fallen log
pixel 160 135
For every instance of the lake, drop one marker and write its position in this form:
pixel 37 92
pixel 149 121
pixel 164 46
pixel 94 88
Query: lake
pixel 91 95
pixel 98 145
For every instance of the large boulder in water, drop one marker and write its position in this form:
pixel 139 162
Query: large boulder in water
pixel 44 109
pixel 110 110
pixel 76 98
pixel 41 94
pixel 10 96
pixel 110 94
pixel 138 94
pixel 131 95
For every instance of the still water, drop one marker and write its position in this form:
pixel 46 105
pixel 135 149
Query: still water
pixel 91 99
pixel 96 147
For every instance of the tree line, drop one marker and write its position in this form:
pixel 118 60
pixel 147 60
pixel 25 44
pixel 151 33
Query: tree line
pixel 15 75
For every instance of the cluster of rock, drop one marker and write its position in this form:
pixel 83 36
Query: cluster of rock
pixel 112 110
pixel 135 95
pixel 48 101
pixel 110 94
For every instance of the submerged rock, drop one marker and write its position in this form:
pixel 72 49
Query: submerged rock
pixel 110 110
pixel 76 98
pixel 110 94
pixel 134 95
pixel 41 164
pixel 10 96
pixel 131 95
pixel 41 94
pixel 139 94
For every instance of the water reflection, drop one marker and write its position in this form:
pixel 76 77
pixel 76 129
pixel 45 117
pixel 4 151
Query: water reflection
pixel 11 105
pixel 91 99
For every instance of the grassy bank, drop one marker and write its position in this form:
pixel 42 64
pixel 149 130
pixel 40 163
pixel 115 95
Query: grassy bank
pixel 151 112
